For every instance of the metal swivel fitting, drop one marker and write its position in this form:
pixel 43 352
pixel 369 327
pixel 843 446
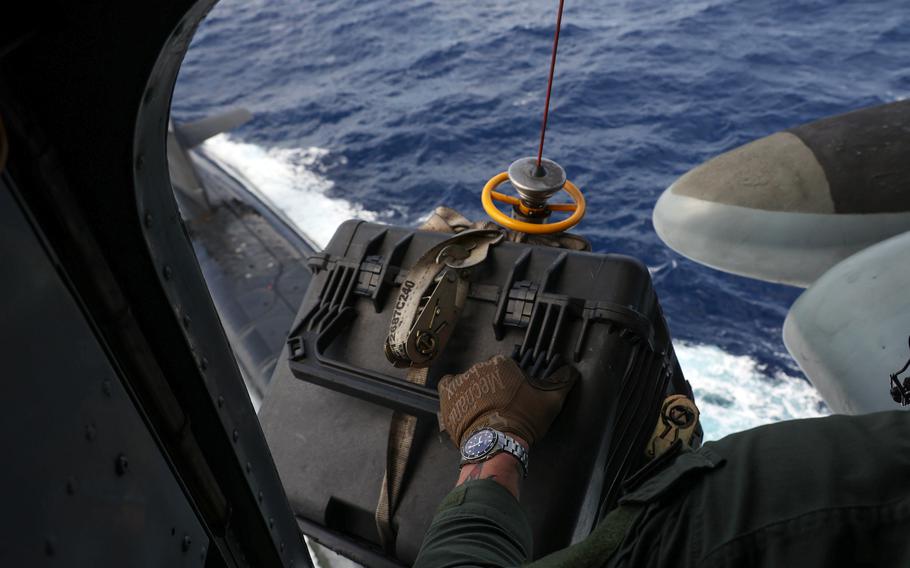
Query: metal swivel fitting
pixel 535 185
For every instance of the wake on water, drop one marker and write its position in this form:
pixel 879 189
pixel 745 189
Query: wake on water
pixel 732 391
pixel 289 177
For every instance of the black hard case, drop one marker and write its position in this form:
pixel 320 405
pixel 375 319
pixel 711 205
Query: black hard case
pixel 328 413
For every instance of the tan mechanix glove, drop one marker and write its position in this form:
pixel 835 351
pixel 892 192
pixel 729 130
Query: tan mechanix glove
pixel 497 394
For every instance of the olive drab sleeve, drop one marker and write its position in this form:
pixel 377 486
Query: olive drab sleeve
pixel 478 524
pixel 818 492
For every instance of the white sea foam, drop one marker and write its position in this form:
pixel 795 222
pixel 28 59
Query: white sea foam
pixel 733 394
pixel 289 178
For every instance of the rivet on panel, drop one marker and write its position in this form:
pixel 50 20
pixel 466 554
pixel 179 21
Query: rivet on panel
pixel 187 543
pixel 204 364
pixel 271 522
pixel 167 272
pixel 106 387
pixel 148 220
pixel 236 435
pixel 140 161
pixel 122 465
pixel 90 432
pixel 249 467
pixel 220 401
pixel 186 321
pixel 260 496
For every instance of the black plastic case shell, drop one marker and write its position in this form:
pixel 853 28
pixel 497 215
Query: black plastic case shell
pixel 597 311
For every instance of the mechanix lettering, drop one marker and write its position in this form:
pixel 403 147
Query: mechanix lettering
pixel 448 386
pixel 460 406
pixel 454 417
pixel 497 377
pixel 474 393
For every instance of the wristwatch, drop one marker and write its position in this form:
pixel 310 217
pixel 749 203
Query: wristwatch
pixel 487 442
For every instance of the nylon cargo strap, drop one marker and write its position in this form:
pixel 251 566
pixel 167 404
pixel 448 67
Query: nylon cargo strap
pixel 401 437
pixel 420 327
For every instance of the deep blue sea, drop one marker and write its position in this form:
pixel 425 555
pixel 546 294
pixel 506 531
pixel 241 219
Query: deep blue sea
pixel 383 110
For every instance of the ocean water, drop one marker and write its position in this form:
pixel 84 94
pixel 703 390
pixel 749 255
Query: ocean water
pixel 384 110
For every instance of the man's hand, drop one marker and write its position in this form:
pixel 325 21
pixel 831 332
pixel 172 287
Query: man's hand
pixel 497 394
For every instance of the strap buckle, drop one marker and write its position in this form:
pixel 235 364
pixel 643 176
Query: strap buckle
pixel 423 320
pixel 436 320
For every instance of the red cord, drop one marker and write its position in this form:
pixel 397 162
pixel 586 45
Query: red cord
pixel 546 108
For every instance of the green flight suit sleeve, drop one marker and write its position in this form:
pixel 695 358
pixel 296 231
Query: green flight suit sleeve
pixel 478 524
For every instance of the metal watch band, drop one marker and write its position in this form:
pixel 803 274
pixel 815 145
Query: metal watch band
pixel 508 444
pixel 504 443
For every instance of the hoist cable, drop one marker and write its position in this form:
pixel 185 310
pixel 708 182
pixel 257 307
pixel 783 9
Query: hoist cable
pixel 546 108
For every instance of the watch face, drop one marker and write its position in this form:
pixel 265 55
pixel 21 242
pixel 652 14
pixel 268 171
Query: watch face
pixel 479 444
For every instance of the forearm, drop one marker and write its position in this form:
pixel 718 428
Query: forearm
pixel 479 524
pixel 492 407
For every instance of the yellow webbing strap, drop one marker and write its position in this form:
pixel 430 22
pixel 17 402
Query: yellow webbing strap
pixel 401 437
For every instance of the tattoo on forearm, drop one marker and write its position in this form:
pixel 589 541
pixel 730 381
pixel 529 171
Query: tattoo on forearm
pixel 475 472
pixel 509 476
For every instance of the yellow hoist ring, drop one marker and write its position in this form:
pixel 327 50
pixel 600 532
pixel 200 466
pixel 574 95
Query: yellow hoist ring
pixel 489 195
